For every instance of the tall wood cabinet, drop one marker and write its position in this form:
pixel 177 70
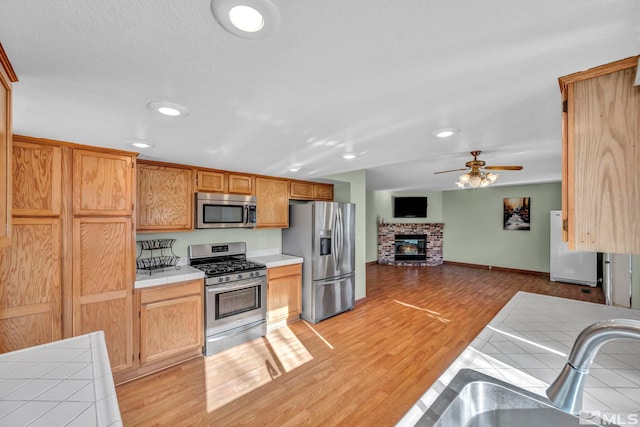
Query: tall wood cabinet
pixel 601 154
pixel 7 76
pixel 103 251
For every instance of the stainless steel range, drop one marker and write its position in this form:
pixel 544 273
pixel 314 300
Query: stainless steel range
pixel 235 295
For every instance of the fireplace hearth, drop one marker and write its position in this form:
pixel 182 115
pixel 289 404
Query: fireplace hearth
pixel 432 244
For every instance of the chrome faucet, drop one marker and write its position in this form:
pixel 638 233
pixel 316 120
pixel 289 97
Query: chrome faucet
pixel 567 390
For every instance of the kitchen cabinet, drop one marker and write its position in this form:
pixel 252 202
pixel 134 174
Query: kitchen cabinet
pixel 240 184
pixel 600 181
pixel 30 285
pixel 7 76
pixel 171 321
pixel 165 197
pixel 102 183
pixel 272 199
pixel 284 294
pixel 37 174
pixel 103 272
pixel 302 190
pixel 211 181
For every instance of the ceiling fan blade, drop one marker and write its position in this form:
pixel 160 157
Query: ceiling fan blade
pixel 452 170
pixel 504 168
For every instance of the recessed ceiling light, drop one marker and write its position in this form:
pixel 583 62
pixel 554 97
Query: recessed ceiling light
pixel 294 169
pixel 446 132
pixel 141 144
pixel 249 19
pixel 168 108
pixel 349 156
pixel 246 18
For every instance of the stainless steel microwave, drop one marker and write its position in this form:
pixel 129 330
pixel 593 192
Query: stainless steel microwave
pixel 225 211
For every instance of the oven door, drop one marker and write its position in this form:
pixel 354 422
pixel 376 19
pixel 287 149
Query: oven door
pixel 235 304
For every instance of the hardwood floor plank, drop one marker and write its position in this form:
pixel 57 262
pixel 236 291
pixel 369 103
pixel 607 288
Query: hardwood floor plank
pixel 364 367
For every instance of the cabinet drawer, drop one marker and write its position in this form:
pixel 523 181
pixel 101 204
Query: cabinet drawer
pixel 284 271
pixel 160 293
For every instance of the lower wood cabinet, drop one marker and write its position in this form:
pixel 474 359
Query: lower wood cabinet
pixel 171 320
pixel 284 295
pixel 168 327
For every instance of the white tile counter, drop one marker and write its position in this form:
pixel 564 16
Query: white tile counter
pixel 167 276
pixel 63 383
pixel 273 258
pixel 528 342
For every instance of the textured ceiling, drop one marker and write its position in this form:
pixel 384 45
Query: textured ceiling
pixel 373 77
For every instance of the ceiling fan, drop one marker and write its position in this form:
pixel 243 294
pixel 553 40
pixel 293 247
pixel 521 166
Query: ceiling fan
pixel 477 177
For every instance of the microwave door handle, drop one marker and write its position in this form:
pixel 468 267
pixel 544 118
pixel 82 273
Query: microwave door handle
pixel 246 214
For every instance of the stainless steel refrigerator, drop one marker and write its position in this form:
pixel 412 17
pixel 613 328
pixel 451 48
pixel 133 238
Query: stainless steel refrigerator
pixel 323 234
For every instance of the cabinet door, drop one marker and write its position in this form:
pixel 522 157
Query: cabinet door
pixel 30 285
pixel 102 183
pixel 5 155
pixel 272 198
pixel 323 192
pixel 284 297
pixel 173 325
pixel 103 284
pixel 213 182
pixel 240 184
pixel 37 171
pixel 301 190
pixel 165 198
pixel 602 155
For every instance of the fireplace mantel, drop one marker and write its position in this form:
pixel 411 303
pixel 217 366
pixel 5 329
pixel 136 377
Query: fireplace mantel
pixel 386 248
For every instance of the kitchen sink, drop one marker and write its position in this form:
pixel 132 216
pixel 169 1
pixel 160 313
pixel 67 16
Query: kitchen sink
pixel 473 399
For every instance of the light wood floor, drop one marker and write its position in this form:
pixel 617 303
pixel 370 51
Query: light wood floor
pixel 364 367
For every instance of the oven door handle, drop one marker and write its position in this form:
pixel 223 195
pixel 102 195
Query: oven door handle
pixel 234 286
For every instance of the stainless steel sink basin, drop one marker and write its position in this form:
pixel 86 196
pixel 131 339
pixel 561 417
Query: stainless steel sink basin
pixel 473 399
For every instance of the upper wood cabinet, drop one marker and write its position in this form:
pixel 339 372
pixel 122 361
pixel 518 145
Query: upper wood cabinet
pixel 6 77
pixel 272 198
pixel 165 197
pixel 210 181
pixel 601 154
pixel 102 183
pixel 303 190
pixel 37 171
pixel 240 184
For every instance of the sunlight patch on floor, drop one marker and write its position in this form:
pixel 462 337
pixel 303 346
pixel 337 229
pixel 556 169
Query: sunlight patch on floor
pixel 319 336
pixel 430 313
pixel 249 366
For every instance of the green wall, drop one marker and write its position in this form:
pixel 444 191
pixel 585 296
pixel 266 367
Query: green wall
pixel 473 230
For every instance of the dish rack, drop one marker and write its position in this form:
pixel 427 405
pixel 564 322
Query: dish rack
pixel 157 262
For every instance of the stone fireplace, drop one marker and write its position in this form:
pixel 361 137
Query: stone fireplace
pixel 410 244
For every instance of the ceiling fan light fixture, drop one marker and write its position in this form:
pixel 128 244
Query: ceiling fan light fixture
pixel 475 181
pixel 492 177
pixel 445 132
pixel 464 179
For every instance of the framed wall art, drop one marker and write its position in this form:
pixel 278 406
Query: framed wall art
pixel 516 213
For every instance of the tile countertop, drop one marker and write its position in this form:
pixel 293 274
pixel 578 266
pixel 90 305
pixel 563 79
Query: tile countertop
pixel 168 276
pixel 273 258
pixel 527 344
pixel 63 383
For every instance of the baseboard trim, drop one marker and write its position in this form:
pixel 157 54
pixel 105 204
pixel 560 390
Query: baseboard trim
pixel 372 262
pixel 492 267
pixel 361 300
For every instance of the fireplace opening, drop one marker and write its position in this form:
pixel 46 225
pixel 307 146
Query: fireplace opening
pixel 410 247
